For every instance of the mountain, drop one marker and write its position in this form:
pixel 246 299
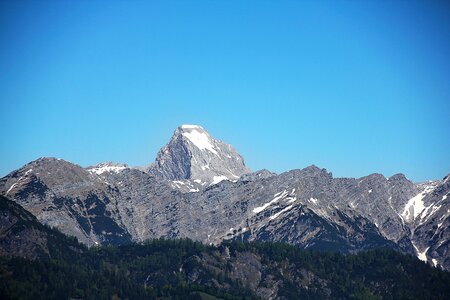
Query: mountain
pixel 178 197
pixel 429 221
pixel 75 200
pixel 192 154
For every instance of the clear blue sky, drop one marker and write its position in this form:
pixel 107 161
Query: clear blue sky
pixel 355 87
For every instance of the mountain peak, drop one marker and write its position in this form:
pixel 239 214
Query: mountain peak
pixel 193 154
pixel 190 126
pixel 198 137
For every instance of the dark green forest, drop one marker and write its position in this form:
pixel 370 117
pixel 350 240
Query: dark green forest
pixel 184 269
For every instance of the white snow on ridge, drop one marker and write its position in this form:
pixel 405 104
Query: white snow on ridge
pixel 188 126
pixel 200 140
pixel 433 210
pixel 103 169
pixel 184 186
pixel 291 199
pixel 415 205
pixel 178 184
pixel 14 184
pixel 280 212
pixel 217 179
pixel 277 196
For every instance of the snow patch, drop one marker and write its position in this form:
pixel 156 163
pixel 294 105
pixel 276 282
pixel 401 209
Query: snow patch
pixel 280 212
pixel 200 140
pixel 14 184
pixel 103 169
pixel 217 179
pixel 421 255
pixel 433 210
pixel 233 175
pixel 370 191
pixel 435 262
pixel 277 196
pixel 187 126
pixel 415 205
pixel 444 197
pixel 197 181
pixel 291 199
pixel 313 200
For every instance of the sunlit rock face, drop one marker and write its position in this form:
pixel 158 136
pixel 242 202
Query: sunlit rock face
pixel 199 188
pixel 192 154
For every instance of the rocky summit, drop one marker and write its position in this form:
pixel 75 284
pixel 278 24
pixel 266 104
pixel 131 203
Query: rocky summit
pixel 192 154
pixel 199 188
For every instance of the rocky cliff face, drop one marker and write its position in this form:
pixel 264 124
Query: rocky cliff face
pixel 427 214
pixel 192 154
pixel 75 200
pixel 176 197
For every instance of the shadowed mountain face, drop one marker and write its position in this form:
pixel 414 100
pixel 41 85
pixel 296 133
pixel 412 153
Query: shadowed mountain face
pixel 21 234
pixel 200 188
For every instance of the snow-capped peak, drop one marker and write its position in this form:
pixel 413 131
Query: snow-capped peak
pixel 193 154
pixel 188 126
pixel 199 138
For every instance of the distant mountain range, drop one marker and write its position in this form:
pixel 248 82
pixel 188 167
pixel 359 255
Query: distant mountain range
pixel 200 188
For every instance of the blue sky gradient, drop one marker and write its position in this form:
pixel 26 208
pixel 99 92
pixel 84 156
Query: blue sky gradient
pixel 355 87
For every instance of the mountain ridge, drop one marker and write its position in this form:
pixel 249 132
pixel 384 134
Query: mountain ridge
pixel 114 204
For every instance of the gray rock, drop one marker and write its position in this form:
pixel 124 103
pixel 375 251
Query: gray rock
pixel 176 198
pixel 194 155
